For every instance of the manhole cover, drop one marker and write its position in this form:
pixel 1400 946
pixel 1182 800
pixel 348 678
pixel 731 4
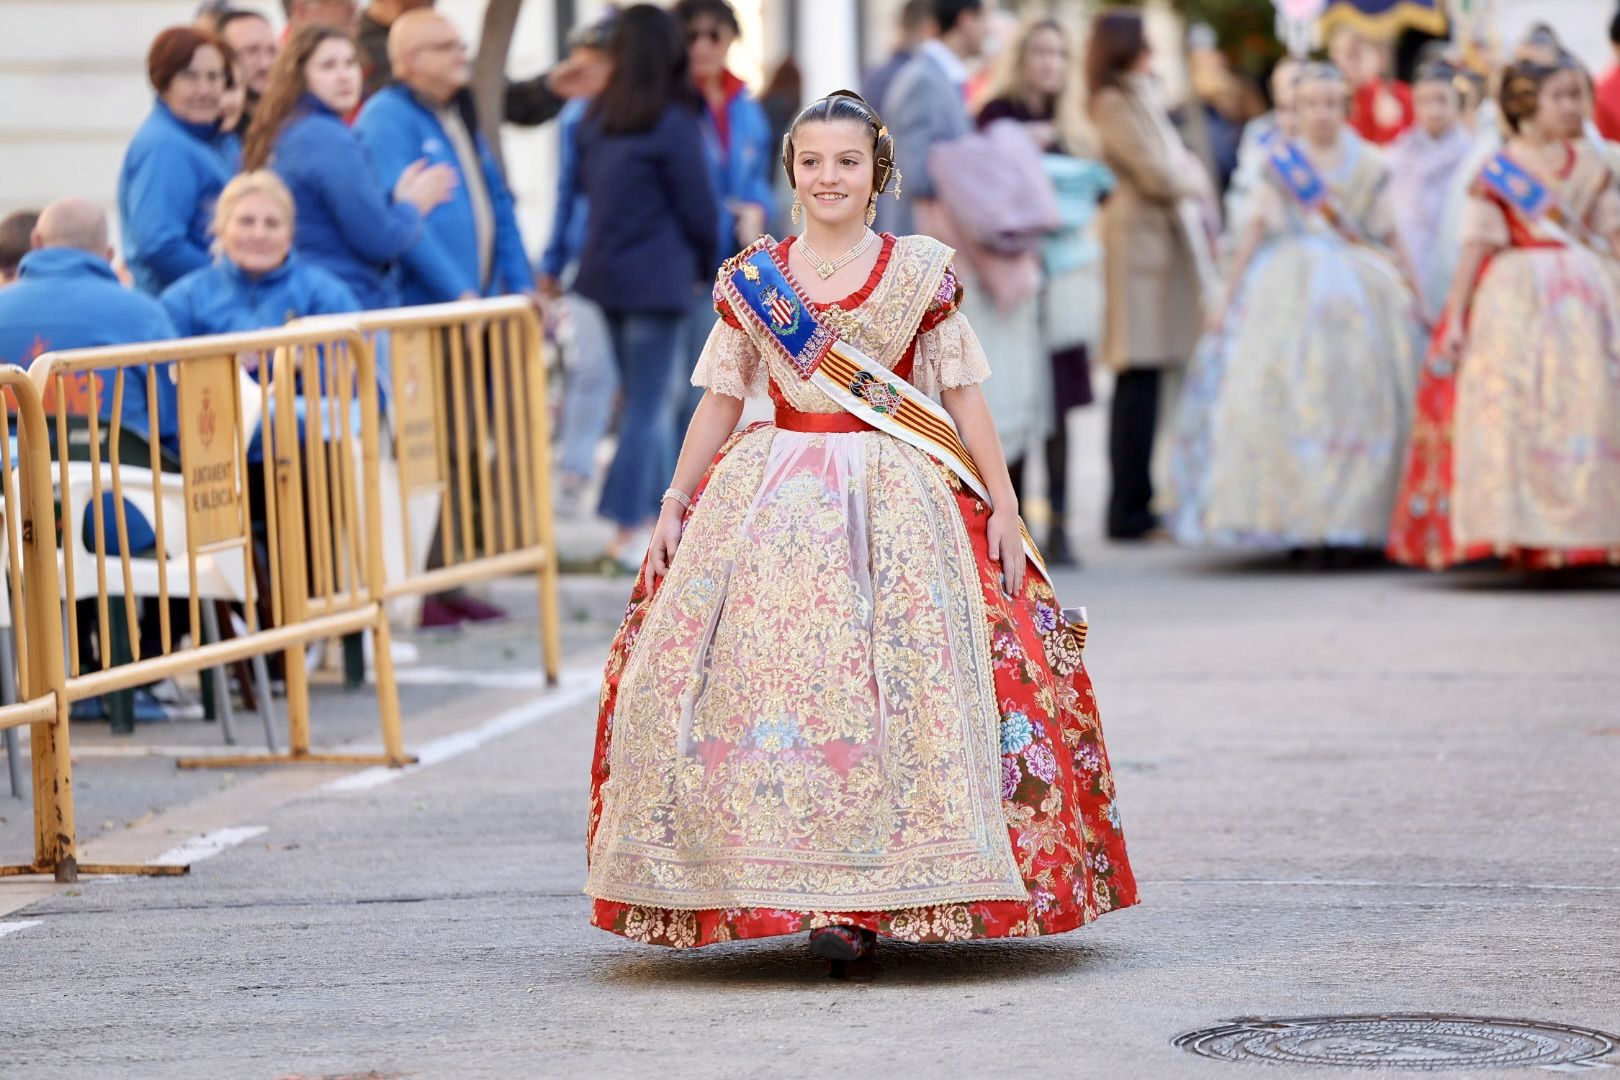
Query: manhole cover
pixel 1431 1043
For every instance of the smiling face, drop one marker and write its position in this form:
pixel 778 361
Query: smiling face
pixel 257 233
pixel 333 75
pixel 833 170
pixel 194 95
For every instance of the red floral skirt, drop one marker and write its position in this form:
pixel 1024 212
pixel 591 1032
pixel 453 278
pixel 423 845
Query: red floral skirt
pixel 1420 531
pixel 1057 790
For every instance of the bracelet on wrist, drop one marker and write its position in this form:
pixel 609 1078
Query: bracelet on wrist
pixel 679 496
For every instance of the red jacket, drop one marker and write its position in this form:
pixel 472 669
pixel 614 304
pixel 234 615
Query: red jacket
pixel 1606 114
pixel 1363 118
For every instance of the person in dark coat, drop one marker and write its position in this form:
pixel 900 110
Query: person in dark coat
pixel 650 246
pixel 177 162
pixel 348 222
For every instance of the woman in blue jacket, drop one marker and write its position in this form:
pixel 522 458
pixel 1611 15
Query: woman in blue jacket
pixel 650 244
pixel 348 222
pixel 178 161
pixel 257 282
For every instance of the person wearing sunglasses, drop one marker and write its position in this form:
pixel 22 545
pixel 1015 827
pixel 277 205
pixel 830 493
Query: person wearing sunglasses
pixel 737 138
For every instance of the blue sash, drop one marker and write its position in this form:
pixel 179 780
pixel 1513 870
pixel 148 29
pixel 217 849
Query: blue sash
pixel 1295 172
pixel 1514 184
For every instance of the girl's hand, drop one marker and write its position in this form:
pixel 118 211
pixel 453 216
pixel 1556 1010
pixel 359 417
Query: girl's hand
pixel 1451 342
pixel 666 538
pixel 1007 549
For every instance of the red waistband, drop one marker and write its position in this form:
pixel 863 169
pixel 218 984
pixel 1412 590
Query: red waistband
pixel 838 423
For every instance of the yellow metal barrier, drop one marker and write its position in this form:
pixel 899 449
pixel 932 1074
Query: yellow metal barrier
pixel 29 565
pixel 294 538
pixel 471 424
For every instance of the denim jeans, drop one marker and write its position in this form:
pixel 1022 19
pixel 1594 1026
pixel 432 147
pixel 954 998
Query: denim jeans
pixel 588 388
pixel 694 334
pixel 644 351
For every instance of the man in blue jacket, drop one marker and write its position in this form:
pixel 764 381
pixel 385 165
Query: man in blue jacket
pixel 67 297
pixel 471 245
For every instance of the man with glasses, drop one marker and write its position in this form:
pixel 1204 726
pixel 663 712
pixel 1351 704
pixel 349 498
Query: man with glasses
pixel 471 245
pixel 253 45
pixel 375 24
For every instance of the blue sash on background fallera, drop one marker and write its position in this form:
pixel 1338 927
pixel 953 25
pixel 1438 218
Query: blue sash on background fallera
pixel 1532 200
pixel 1295 172
pixel 764 295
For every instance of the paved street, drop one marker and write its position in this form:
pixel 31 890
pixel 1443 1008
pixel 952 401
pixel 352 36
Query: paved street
pixel 1348 792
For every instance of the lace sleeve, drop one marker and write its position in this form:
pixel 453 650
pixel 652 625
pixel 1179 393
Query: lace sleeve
pixel 730 364
pixel 949 355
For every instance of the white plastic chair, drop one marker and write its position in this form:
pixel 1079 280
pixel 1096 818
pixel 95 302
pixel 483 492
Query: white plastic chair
pixel 219 576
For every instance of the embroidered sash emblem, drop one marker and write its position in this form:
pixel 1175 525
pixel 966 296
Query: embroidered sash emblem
pixel 882 397
pixel 783 310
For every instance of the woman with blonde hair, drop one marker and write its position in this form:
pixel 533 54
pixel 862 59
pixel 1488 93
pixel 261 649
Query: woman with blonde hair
pixel 255 281
pixel 1037 84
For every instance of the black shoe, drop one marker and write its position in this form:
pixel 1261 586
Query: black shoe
pixel 1057 550
pixel 1135 528
pixel 842 944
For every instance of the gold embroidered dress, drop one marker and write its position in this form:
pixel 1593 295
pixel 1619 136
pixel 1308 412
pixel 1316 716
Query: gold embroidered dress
pixel 1295 417
pixel 828 705
pixel 1516 448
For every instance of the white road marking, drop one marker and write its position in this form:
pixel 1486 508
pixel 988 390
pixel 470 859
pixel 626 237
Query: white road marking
pixel 516 679
pixel 19 924
pixel 208 845
pixel 575 686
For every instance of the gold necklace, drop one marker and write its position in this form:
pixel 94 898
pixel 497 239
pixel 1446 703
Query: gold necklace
pixel 827 269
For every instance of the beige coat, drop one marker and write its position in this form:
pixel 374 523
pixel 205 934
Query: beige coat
pixel 1154 313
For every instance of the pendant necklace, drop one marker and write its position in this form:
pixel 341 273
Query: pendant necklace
pixel 827 269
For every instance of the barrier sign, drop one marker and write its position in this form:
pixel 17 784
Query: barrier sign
pixel 208 455
pixel 416 441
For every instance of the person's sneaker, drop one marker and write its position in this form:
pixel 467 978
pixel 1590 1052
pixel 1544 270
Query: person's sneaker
pixel 149 710
pixel 437 614
pixel 402 652
pixel 94 708
pixel 568 496
pixel 178 704
pixel 634 552
pixel 473 609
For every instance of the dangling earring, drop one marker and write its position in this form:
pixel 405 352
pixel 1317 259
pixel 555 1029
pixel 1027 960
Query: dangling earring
pixel 871 210
pixel 797 213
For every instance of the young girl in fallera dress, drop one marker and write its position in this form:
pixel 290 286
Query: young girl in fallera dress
pixel 842 701
pixel 1299 400
pixel 1515 449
